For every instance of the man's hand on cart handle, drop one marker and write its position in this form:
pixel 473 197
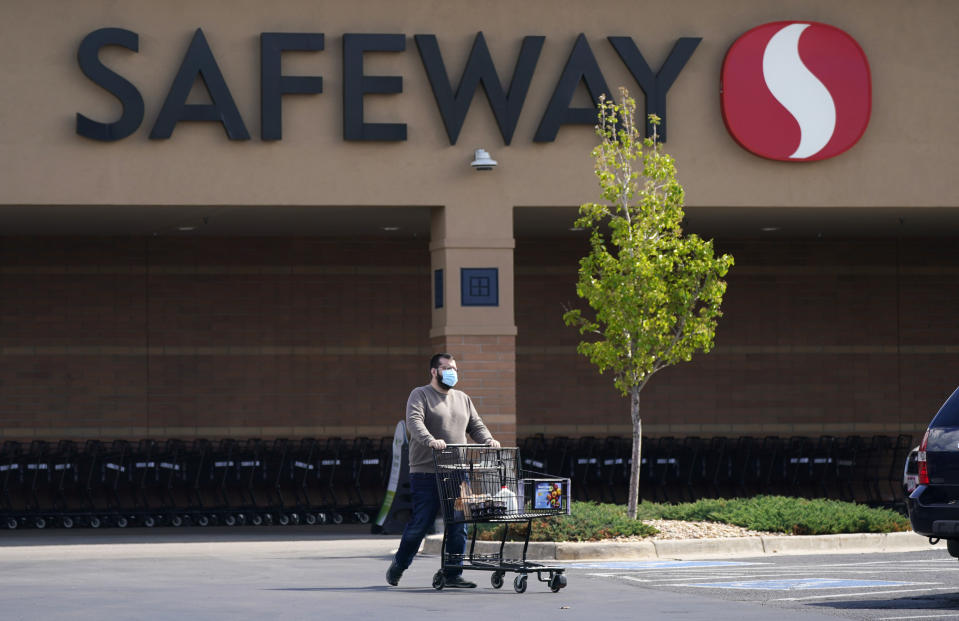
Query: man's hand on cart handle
pixel 438 445
pixel 492 443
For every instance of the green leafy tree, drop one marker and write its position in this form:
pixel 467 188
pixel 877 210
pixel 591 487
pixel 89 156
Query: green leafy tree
pixel 655 293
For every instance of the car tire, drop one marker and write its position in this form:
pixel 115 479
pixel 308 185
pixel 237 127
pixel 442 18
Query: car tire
pixel 953 546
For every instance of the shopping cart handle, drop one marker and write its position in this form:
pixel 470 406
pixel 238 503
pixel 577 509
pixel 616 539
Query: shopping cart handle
pixel 474 446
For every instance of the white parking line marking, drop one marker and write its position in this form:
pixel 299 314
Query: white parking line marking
pixel 621 577
pixel 946 561
pixel 730 576
pixel 794 584
pixel 658 565
pixel 949 560
pixel 951 614
pixel 775 569
pixel 669 579
pixel 780 584
pixel 865 593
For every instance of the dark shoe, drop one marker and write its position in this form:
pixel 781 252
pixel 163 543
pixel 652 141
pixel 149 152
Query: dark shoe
pixel 457 582
pixel 393 574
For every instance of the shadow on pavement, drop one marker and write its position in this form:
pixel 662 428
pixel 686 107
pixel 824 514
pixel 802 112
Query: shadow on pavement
pixel 932 601
pixel 383 588
pixel 358 588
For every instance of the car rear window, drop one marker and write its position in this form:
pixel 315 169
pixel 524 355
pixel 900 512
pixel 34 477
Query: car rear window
pixel 948 415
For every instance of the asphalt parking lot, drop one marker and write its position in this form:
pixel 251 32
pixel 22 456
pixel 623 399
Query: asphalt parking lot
pixel 335 573
pixel 913 585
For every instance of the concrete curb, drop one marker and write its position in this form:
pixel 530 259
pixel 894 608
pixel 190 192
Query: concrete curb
pixel 856 543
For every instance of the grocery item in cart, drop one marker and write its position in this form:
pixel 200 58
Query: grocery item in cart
pixel 478 506
pixel 549 495
pixel 508 498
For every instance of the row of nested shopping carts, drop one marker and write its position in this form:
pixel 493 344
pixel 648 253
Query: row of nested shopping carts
pixel 199 482
pixel 336 480
pixel 865 469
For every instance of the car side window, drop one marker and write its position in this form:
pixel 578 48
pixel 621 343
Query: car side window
pixel 948 415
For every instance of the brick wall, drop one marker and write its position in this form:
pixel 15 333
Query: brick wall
pixel 209 337
pixel 292 337
pixel 817 337
pixel 488 365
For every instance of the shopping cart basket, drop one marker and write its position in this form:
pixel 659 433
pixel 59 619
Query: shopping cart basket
pixel 477 484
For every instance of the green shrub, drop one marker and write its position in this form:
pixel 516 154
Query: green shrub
pixel 588 522
pixel 798 516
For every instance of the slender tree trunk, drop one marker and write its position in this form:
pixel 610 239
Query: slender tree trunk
pixel 634 468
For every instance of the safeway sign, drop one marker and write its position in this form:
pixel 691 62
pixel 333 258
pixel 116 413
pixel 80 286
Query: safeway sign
pixel 791 91
pixel 796 91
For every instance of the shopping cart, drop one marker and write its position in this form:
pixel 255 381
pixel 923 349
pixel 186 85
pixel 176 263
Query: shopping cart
pixel 480 484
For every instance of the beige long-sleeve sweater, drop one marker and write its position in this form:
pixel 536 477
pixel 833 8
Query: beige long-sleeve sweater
pixel 431 415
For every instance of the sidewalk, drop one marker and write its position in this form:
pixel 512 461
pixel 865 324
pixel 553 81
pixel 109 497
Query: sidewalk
pixel 729 547
pixel 357 539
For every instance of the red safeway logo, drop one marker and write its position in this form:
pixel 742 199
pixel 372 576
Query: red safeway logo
pixel 796 91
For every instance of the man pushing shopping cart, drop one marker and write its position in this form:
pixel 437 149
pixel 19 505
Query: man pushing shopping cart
pixel 471 483
pixel 436 414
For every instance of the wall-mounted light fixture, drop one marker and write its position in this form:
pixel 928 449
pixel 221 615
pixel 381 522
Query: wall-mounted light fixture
pixel 482 160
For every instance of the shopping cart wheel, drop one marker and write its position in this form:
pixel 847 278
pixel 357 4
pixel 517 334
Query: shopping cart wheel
pixel 557 582
pixel 66 522
pixel 93 522
pixel 229 519
pixel 362 517
pixel 310 519
pixel 256 519
pixel 12 523
pixel 519 583
pixel 496 579
pixel 337 518
pixel 39 523
pixel 439 580
pixel 201 520
pixel 149 521
pixel 122 522
pixel 176 520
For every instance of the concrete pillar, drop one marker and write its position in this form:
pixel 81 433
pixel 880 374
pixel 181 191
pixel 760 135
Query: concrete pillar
pixel 471 252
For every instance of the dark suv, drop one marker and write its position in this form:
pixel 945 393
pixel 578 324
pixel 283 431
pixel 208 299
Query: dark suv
pixel 934 504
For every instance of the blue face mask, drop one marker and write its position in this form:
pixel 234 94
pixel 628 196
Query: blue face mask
pixel 450 377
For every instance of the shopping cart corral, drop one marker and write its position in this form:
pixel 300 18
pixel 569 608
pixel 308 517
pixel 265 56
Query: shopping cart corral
pixel 197 482
pixel 480 484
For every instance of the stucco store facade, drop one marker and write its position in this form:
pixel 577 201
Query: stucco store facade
pixel 161 278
